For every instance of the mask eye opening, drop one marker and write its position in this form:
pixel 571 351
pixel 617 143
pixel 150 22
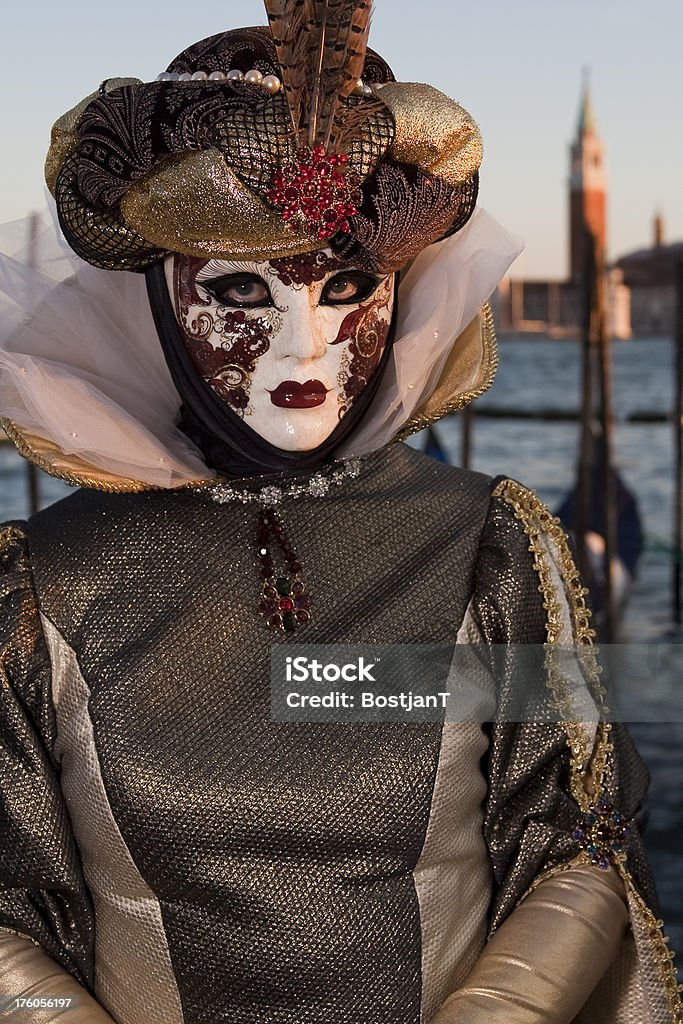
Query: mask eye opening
pixel 353 287
pixel 239 290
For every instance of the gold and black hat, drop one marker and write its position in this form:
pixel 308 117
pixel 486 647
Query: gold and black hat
pixel 265 143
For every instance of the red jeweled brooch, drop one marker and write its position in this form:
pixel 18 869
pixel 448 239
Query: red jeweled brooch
pixel 316 193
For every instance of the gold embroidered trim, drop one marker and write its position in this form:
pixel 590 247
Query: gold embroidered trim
pixel 8 534
pixel 663 956
pixel 458 401
pixel 537 521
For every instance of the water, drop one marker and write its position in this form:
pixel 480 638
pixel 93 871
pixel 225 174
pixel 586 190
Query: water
pixel 537 374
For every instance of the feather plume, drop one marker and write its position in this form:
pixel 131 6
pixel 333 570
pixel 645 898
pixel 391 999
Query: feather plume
pixel 345 45
pixel 290 24
pixel 321 46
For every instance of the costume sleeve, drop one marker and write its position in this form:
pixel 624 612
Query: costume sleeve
pixel 574 933
pixel 46 916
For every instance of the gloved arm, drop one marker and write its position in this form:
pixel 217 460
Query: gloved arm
pixel 26 970
pixel 543 962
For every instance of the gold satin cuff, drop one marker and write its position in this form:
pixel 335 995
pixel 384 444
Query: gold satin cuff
pixel 27 970
pixel 544 961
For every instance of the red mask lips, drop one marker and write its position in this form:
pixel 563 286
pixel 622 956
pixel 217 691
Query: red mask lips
pixel 293 395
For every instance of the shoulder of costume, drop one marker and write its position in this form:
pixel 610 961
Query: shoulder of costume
pixel 24 659
pixel 531 589
pixel 438 470
pixel 553 559
pixel 14 562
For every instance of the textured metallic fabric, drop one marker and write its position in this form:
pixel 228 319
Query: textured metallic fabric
pixel 433 132
pixel 649 1005
pixel 98 235
pixel 453 875
pixel 616 1000
pixel 133 973
pixel 42 891
pixel 196 204
pixel 282 856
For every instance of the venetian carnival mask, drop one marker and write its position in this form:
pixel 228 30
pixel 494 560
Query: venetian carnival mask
pixel 288 344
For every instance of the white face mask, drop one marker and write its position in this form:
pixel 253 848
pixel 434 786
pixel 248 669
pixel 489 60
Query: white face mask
pixel 288 344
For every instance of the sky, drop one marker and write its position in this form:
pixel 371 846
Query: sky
pixel 516 67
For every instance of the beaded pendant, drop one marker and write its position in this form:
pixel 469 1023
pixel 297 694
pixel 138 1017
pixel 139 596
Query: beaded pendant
pixel 284 602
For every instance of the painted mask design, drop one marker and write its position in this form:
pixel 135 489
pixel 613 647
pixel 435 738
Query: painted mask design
pixel 288 344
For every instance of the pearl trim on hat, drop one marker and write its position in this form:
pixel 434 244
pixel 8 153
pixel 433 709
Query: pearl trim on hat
pixel 269 83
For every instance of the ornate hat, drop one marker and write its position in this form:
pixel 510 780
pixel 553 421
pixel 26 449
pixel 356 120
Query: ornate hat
pixel 262 143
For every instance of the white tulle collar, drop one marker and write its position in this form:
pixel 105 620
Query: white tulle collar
pixel 85 391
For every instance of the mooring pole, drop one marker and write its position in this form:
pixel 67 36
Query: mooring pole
pixel 678 449
pixel 609 491
pixel 466 417
pixel 31 471
pixel 586 436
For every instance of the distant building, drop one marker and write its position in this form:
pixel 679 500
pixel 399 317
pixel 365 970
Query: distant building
pixel 650 274
pixel 555 307
pixel 641 288
pixel 587 189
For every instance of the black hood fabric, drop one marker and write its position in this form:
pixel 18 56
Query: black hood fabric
pixel 228 445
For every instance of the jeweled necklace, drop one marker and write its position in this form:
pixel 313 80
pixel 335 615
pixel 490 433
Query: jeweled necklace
pixel 284 600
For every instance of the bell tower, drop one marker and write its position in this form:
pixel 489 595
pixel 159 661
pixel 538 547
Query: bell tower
pixel 587 187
